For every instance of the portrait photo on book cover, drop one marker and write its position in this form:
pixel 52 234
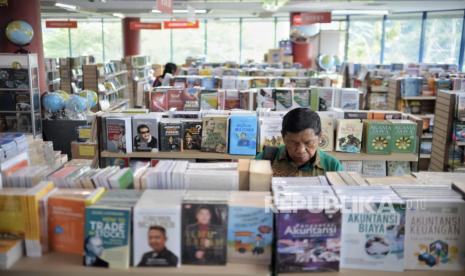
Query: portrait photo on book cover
pixel 144 140
pixel 93 249
pixel 160 255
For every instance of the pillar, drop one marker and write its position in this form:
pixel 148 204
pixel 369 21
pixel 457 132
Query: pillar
pixel 29 11
pixel 131 37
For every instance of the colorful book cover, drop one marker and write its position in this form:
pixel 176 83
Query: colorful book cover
pixel 300 82
pixel 404 136
pixel 270 132
pixel 265 98
pixel 250 235
pixel 158 101
pixel 277 82
pixel 107 237
pixel 119 135
pixel 248 99
pixel 204 238
pixel 209 83
pixel 192 136
pixel 411 86
pixel 398 168
pixel 378 137
pixel 301 97
pixel 231 100
pixel 350 99
pixel 243 134
pixel 259 83
pixel 308 241
pixel 175 99
pixel 145 133
pixel 208 99
pixel 283 98
pixel 191 99
pixel 349 135
pixel 170 136
pixel 327 134
pixel 459 131
pixel 194 81
pixel 322 99
pixel 215 134
pixel 374 239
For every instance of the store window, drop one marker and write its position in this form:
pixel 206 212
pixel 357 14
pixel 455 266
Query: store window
pixel 86 39
pixel 257 38
pixel 402 40
pixel 365 39
pixel 156 44
pixel 55 41
pixel 113 39
pixel 442 37
pixel 223 40
pixel 188 43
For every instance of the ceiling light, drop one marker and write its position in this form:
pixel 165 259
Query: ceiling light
pixel 156 11
pixel 360 12
pixel 117 14
pixel 186 11
pixel 66 6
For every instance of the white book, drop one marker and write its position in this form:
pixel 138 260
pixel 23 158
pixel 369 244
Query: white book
pixel 212 180
pixel 374 168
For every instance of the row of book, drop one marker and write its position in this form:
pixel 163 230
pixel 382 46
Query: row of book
pixel 282 98
pixel 262 70
pixel 11 144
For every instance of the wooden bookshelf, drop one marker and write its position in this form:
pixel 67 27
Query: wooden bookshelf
pixel 187 154
pixel 343 156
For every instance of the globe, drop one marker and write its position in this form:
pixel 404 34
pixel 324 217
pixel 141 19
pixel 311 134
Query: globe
pixel 326 62
pixel 19 32
pixel 63 94
pixel 53 102
pixel 76 104
pixel 90 96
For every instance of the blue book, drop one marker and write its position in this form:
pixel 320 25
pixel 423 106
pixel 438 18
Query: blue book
pixel 243 134
pixel 411 86
pixel 209 83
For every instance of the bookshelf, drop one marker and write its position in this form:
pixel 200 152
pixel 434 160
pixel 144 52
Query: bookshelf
pixel 186 154
pixel 139 74
pixel 52 73
pixel 343 156
pixel 71 76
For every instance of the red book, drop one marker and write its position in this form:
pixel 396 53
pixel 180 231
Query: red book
pixel 175 99
pixel 158 101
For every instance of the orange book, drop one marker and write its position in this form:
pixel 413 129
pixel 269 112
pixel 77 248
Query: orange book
pixel 15 167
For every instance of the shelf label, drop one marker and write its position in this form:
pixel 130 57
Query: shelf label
pixel 308 18
pixel 85 150
pixel 61 24
pixel 181 24
pixel 144 25
pixel 165 6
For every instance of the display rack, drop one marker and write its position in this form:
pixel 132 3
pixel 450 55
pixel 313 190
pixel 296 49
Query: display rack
pixel 53 74
pixel 71 73
pixel 20 94
pixel 139 68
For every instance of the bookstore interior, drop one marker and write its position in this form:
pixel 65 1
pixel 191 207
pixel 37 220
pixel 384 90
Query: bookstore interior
pixel 232 137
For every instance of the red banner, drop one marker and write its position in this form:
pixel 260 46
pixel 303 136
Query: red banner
pixel 61 24
pixel 165 6
pixel 144 25
pixel 181 24
pixel 308 18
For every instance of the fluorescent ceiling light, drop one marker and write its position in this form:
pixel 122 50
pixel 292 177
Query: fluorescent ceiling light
pixel 181 11
pixel 360 12
pixel 117 14
pixel 66 6
pixel 156 11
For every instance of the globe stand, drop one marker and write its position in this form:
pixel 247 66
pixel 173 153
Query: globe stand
pixel 21 50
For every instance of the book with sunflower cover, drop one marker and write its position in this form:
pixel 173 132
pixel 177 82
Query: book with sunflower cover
pixel 404 136
pixel 378 137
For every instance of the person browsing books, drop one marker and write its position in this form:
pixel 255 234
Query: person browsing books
pixel 300 156
pixel 160 255
pixel 168 73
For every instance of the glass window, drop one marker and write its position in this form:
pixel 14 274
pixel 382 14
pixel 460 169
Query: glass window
pixel 188 43
pixel 442 37
pixel 365 39
pixel 402 40
pixel 283 28
pixel 257 39
pixel 156 44
pixel 55 41
pixel 342 40
pixel 223 40
pixel 113 39
pixel 86 39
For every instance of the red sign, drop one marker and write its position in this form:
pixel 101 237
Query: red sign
pixel 61 24
pixel 144 25
pixel 165 6
pixel 308 18
pixel 181 24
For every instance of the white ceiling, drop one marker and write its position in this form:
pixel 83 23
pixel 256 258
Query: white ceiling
pixel 237 8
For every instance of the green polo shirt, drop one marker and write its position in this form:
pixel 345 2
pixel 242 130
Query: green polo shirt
pixel 283 166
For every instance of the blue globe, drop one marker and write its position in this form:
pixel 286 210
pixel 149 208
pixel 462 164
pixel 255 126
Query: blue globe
pixel 19 32
pixel 53 102
pixel 76 104
pixel 90 96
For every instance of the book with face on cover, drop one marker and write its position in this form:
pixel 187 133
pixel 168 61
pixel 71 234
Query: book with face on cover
pixel 192 134
pixel 270 132
pixel 119 134
pixel 243 134
pixel 215 133
pixel 170 135
pixel 145 132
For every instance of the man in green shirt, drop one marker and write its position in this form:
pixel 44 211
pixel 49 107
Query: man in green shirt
pixel 300 156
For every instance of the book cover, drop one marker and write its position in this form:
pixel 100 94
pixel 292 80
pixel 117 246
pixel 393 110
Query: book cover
pixel 170 135
pixel 398 168
pixel 459 131
pixel 119 135
pixel 300 82
pixel 265 98
pixel 277 82
pixel 327 134
pixel 460 106
pixel 193 81
pixel 259 82
pixel 228 83
pixel 191 99
pixel 145 133
pixel 243 134
pixel 270 132
pixel 248 99
pixel 158 101
pixel 107 237
pixel 208 99
pixel 404 136
pixel 23 102
pixel 209 83
pixel 349 99
pixel 243 84
pixel 192 136
pixel 308 241
pixel 301 97
pixel 231 100
pixel 378 137
pixel 175 98
pixel 411 86
pixel 283 98
pixel 215 134
pixel 204 233
pixel 374 168
pixel 322 98
pixel 353 166
pixel 349 135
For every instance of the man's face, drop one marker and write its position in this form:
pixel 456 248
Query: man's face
pixel 96 246
pixel 145 133
pixel 203 216
pixel 301 146
pixel 157 240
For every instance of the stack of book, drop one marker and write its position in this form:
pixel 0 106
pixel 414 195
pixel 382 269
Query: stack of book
pixel 11 250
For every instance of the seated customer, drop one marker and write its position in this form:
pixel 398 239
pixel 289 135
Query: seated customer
pixel 300 156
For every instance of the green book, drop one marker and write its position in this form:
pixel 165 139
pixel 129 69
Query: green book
pixel 378 137
pixel 404 136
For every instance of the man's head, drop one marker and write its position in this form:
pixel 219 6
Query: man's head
pixel 157 238
pixel 243 135
pixel 203 215
pixel 144 132
pixel 94 246
pixel 301 132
